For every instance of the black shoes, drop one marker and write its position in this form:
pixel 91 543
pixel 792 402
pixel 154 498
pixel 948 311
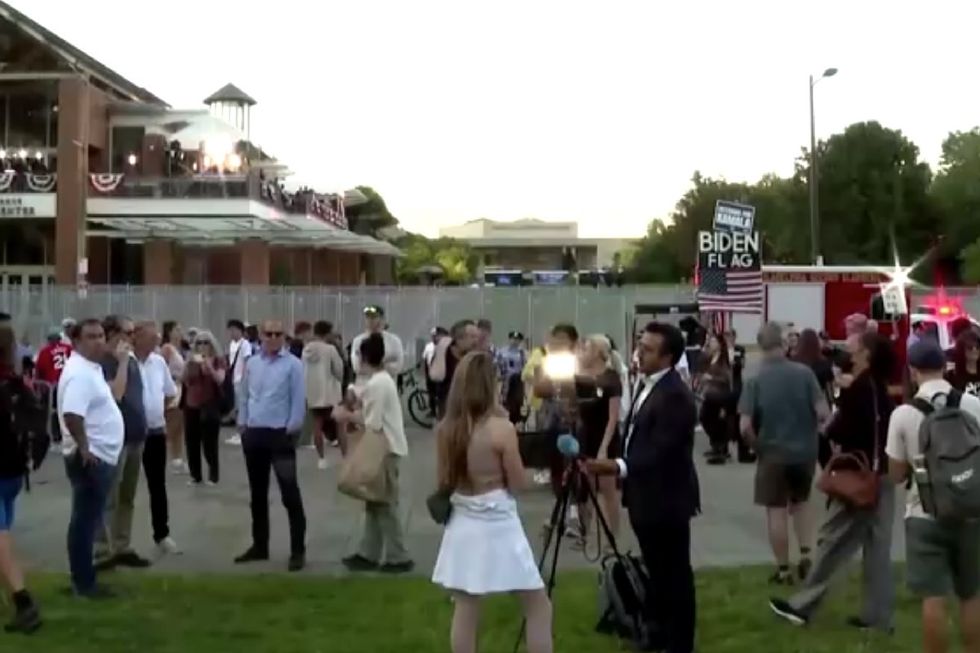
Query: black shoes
pixel 803 569
pixel 358 562
pixel 252 555
pixel 783 609
pixel 129 559
pixel 297 562
pixel 864 626
pixel 98 592
pixel 27 617
pixel 397 567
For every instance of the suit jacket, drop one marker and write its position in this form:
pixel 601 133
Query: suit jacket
pixel 661 481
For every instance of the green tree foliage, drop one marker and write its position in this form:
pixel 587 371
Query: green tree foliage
pixel 366 219
pixel 970 259
pixel 453 259
pixel 872 185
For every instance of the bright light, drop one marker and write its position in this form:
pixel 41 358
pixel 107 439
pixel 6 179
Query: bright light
pixel 234 162
pixel 132 159
pixel 22 154
pixel 560 366
pixel 39 155
pixel 219 147
pixel 3 154
pixel 207 161
pixel 945 310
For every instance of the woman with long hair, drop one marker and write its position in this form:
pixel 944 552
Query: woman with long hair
pixel 715 388
pixel 859 427
pixel 13 469
pixel 599 388
pixel 172 339
pixel 203 378
pixel 484 548
pixel 965 375
pixel 809 351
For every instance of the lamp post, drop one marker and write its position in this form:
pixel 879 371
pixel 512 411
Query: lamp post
pixel 815 256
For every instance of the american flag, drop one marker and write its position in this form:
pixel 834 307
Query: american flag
pixel 737 291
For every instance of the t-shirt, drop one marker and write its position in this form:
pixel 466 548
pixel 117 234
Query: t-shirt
pixel 238 353
pixel 394 359
pixel 133 412
pixel 594 397
pixel 51 361
pixel 903 436
pixel 83 391
pixel 782 401
pixel 965 382
pixel 158 386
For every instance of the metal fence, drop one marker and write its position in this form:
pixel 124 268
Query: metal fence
pixel 411 311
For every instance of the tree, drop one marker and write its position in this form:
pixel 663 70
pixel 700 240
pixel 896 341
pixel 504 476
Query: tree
pixel 453 258
pixel 956 192
pixel 970 258
pixel 873 188
pixel 367 218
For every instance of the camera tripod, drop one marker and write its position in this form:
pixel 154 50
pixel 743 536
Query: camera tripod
pixel 573 479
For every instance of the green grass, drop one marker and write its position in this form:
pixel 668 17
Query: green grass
pixel 278 614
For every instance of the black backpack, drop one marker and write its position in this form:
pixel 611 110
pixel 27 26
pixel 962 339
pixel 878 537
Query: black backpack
pixel 27 423
pixel 623 583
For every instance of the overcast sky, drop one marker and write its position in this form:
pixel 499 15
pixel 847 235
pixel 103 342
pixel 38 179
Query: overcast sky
pixel 591 111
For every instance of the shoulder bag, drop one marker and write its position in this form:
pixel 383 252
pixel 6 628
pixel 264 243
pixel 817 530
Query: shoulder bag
pixel 850 477
pixel 363 474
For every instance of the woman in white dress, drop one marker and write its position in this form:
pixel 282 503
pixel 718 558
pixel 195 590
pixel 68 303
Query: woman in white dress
pixel 484 548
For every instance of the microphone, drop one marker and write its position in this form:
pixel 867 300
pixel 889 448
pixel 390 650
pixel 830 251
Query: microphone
pixel 568 446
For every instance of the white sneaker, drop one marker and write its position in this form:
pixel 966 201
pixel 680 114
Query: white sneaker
pixel 542 477
pixel 210 483
pixel 235 440
pixel 167 546
pixel 178 466
pixel 322 463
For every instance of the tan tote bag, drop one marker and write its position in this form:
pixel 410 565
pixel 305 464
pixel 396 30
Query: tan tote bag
pixel 362 474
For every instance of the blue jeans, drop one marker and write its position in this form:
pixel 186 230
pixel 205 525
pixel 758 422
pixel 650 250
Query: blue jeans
pixel 9 489
pixel 90 487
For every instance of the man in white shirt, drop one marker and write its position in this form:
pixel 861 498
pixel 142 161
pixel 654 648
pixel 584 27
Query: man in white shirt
pixel 159 391
pixel 93 433
pixel 382 411
pixel 239 351
pixel 394 354
pixel 942 558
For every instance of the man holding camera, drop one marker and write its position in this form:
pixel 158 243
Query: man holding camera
pixel 660 485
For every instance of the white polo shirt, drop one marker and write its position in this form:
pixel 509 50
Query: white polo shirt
pixel 238 352
pixel 83 391
pixel 158 386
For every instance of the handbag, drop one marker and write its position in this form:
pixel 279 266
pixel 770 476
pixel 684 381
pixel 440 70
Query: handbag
pixel 850 477
pixel 440 506
pixel 363 474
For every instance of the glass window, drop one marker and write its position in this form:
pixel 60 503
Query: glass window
pixel 28 121
pixel 126 141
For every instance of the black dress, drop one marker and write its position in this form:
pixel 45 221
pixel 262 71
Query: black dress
pixel 595 396
pixel 965 382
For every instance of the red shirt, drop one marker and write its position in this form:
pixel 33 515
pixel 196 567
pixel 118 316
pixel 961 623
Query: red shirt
pixel 51 361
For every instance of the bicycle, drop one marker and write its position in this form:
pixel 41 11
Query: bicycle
pixel 419 402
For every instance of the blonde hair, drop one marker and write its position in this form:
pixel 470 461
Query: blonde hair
pixel 472 395
pixel 208 337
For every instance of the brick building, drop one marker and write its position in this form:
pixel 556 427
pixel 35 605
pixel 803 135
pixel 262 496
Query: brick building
pixel 101 182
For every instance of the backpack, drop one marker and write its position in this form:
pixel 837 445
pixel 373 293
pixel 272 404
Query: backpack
pixel 226 389
pixel 949 446
pixel 623 583
pixel 28 423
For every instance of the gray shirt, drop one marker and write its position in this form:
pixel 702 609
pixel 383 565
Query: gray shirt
pixel 131 406
pixel 782 402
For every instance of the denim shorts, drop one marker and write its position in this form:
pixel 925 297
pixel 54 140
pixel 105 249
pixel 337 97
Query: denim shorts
pixel 9 489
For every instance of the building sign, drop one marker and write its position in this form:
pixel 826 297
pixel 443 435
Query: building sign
pixel 724 250
pixel 15 205
pixel 734 217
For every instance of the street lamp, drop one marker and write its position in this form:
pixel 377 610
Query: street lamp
pixel 814 216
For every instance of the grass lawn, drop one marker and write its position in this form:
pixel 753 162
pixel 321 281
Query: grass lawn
pixel 279 614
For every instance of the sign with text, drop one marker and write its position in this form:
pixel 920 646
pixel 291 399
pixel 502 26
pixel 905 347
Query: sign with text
pixel 722 250
pixel 734 217
pixel 27 205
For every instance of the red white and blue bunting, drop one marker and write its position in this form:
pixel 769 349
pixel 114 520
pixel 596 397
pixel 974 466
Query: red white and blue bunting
pixel 105 182
pixel 6 180
pixel 41 183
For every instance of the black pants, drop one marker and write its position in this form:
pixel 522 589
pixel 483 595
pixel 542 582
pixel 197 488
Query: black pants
pixel 155 468
pixel 715 426
pixel 666 548
pixel 201 428
pixel 273 449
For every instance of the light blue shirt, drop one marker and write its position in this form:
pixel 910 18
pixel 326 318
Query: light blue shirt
pixel 273 392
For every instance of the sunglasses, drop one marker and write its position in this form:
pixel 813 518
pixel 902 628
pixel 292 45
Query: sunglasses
pixel 273 334
pixel 201 343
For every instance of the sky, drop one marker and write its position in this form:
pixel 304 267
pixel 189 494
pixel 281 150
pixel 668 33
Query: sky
pixel 597 111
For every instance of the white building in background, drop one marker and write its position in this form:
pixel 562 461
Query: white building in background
pixel 535 245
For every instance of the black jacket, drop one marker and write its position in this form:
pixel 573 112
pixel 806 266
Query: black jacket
pixel 853 425
pixel 661 482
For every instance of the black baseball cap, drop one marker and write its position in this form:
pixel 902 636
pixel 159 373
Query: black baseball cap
pixel 515 335
pixel 373 310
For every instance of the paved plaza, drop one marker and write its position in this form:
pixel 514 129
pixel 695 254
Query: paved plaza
pixel 212 524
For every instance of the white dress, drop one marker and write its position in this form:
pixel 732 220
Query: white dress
pixel 484 548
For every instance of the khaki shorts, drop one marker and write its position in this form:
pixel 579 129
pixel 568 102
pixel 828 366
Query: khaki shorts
pixel 778 485
pixel 942 559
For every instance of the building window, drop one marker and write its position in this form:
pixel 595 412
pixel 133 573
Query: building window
pixel 28 115
pixel 126 141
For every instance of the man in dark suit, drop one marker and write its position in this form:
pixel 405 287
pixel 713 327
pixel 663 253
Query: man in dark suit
pixel 660 485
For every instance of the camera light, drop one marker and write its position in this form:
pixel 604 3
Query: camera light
pixel 560 366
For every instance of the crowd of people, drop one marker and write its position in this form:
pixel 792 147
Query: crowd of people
pixel 133 401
